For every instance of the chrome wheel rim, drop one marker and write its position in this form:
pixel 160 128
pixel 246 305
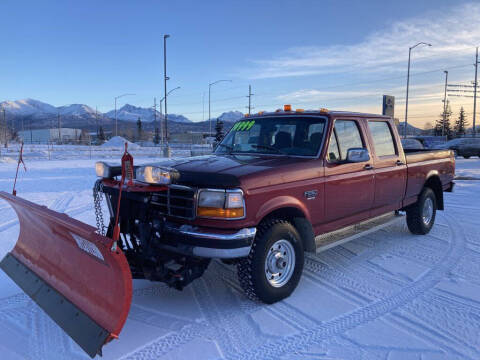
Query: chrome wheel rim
pixel 427 212
pixel 280 263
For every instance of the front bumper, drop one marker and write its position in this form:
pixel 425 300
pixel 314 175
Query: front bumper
pixel 208 243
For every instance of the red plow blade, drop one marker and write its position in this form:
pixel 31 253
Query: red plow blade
pixel 71 272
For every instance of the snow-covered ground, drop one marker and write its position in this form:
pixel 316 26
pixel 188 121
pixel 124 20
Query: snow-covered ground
pixel 388 295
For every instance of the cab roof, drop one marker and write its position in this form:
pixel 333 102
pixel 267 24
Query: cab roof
pixel 325 112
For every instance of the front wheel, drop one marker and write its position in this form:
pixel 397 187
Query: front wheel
pixel 421 215
pixel 273 268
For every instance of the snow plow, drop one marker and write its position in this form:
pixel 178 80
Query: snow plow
pixel 78 277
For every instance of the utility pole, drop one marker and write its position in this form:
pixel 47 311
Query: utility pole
pixel 155 119
pixel 250 99
pixel 445 103
pixel 165 78
pixel 5 124
pixel 96 122
pixel 475 93
pixel 59 129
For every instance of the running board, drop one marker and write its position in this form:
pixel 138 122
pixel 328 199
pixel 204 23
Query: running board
pixel 329 240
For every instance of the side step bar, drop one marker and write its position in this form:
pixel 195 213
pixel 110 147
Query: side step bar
pixel 329 240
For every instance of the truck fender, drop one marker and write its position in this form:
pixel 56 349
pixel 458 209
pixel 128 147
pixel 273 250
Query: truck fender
pixel 433 182
pixel 294 210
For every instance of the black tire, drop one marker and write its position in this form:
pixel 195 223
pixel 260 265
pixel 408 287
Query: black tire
pixel 415 219
pixel 251 270
pixel 466 156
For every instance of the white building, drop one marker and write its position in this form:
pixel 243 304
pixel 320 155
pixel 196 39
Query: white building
pixel 49 135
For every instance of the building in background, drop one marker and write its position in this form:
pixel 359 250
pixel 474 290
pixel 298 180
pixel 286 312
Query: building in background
pixel 44 136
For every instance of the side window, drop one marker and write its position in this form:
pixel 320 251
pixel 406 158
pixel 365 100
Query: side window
pixel 382 138
pixel 348 136
pixel 333 154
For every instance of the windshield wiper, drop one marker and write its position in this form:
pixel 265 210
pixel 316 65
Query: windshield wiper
pixel 268 147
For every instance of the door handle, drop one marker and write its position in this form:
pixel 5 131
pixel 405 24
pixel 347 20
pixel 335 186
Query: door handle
pixel 399 163
pixel 368 167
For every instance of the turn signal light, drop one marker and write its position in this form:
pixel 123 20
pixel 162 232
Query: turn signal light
pixel 220 213
pixel 287 107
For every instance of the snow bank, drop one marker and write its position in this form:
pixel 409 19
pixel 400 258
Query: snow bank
pixel 118 141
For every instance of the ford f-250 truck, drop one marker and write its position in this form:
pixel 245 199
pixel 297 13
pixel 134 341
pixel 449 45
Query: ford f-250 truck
pixel 272 188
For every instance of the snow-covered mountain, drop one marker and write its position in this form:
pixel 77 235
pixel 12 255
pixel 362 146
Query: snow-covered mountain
pixel 130 112
pixel 76 110
pixel 231 116
pixel 28 107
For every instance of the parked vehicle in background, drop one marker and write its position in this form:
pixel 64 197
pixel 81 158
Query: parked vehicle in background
pixel 465 147
pixel 430 142
pixel 412 144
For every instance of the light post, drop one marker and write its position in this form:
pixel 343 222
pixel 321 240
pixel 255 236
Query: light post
pixel 209 93
pixel 445 103
pixel 162 99
pixel 116 123
pixel 408 83
pixel 165 78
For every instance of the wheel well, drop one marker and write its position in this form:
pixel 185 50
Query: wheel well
pixel 301 223
pixel 435 184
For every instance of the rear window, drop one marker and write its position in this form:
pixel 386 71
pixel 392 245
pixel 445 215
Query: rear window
pixel 382 138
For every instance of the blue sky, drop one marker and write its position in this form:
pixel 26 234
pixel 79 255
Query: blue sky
pixel 335 54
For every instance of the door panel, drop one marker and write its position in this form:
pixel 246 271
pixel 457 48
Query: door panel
pixel 349 187
pixel 390 168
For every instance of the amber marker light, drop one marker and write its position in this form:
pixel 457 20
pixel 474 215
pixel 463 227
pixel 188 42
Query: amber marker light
pixel 287 107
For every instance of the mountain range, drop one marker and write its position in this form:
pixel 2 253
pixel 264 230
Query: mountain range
pixel 33 113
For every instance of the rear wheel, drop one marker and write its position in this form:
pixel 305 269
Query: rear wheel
pixel 273 268
pixel 421 215
pixel 466 156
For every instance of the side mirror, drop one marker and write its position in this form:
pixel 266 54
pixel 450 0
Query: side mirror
pixel 355 155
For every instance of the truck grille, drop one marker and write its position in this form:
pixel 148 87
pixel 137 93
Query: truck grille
pixel 177 201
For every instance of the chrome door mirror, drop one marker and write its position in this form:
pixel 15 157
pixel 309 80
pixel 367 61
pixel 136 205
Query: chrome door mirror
pixel 355 155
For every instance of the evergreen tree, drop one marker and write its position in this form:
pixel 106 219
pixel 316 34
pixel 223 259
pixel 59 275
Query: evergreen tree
pixel 444 123
pixel 461 123
pixel 139 129
pixel 219 134
pixel 101 134
pixel 156 137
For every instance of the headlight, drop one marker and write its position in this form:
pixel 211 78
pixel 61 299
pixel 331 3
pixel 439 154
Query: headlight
pixel 156 174
pixel 221 204
pixel 102 169
pixel 107 171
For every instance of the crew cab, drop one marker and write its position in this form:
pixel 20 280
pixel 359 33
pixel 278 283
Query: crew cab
pixel 275 183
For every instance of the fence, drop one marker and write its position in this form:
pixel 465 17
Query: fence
pixel 51 151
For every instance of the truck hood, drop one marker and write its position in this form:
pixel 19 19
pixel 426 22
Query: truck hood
pixel 224 170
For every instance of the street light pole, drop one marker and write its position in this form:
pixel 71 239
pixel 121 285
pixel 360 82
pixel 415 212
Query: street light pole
pixel 445 103
pixel 116 123
pixel 165 78
pixel 209 106
pixel 163 98
pixel 408 83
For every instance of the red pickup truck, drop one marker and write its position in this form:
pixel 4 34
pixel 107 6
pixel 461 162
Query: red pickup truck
pixel 272 189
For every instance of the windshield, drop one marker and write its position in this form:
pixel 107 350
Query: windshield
pixel 282 135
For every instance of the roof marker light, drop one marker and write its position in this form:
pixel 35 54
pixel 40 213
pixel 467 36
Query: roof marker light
pixel 287 107
pixel 323 110
pixel 261 112
pixel 299 110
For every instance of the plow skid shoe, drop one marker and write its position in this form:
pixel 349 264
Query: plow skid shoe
pixel 71 272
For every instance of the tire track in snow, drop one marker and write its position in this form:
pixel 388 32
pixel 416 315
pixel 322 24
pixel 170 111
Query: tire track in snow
pixel 298 342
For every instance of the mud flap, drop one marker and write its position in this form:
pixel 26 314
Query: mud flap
pixel 71 272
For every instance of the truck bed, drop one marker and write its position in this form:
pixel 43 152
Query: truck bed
pixel 422 163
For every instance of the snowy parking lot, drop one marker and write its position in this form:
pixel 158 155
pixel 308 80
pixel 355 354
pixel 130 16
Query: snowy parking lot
pixel 387 295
